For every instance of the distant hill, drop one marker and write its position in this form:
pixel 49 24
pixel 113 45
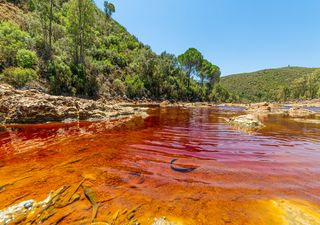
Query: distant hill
pixel 264 85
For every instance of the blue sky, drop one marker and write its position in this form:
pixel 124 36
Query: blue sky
pixel 237 35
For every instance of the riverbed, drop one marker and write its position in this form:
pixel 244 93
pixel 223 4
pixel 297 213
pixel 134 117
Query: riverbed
pixel 270 176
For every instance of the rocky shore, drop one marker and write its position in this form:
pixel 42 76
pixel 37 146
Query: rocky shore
pixel 32 106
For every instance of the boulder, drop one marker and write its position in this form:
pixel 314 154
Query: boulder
pixel 246 121
pixel 264 108
pixel 300 112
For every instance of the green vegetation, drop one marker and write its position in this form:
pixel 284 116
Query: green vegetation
pixel 18 77
pixel 74 48
pixel 283 84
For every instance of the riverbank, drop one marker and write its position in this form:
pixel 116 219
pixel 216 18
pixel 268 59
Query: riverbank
pixel 33 106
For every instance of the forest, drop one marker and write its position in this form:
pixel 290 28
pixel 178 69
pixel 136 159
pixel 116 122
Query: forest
pixel 70 47
pixel 281 84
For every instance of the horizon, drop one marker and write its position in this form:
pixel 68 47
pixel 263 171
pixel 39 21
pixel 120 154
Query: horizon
pixel 269 34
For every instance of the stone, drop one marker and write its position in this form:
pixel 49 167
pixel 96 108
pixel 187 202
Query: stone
pixel 300 112
pixel 33 106
pixel 164 104
pixel 162 221
pixel 246 121
pixel 264 108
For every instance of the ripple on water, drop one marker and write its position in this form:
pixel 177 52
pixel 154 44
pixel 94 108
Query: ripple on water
pixel 233 170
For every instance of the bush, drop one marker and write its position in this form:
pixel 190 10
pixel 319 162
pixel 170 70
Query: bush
pixel 219 94
pixel 26 58
pixel 61 79
pixel 12 39
pixel 18 77
pixel 119 87
pixel 135 86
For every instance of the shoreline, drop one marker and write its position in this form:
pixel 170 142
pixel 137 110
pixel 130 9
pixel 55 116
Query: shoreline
pixel 33 106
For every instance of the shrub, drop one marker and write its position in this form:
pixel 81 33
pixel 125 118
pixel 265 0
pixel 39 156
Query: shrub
pixel 12 39
pixel 135 86
pixel 61 79
pixel 18 76
pixel 26 58
pixel 219 94
pixel 119 86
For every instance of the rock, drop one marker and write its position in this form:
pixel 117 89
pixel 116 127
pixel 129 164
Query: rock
pixel 19 210
pixel 300 112
pixel 164 104
pixel 246 121
pixel 31 106
pixel 311 121
pixel 264 108
pixel 162 221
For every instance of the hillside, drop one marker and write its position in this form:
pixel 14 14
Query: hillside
pixel 70 47
pixel 273 84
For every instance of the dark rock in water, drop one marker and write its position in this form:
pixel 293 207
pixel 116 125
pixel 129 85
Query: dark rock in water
pixel 28 205
pixel 181 170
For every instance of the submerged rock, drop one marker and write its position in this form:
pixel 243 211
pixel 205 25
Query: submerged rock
pixel 29 106
pixel 163 221
pixel 246 121
pixel 300 112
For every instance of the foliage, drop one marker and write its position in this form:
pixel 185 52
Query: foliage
pixel 61 79
pixel 135 87
pixel 281 84
pixel 18 77
pixel 12 39
pixel 220 94
pixel 191 60
pixel 109 9
pixel 80 50
pixel 26 58
pixel 119 87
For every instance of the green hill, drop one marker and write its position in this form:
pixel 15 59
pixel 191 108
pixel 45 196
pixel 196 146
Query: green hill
pixel 274 84
pixel 71 47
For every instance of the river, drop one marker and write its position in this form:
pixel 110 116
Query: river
pixel 269 176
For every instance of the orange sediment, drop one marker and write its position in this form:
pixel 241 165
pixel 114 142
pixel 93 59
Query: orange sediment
pixel 267 177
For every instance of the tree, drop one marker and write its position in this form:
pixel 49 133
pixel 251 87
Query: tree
pixel 191 61
pixel 213 76
pixel 209 72
pixel 313 81
pixel 80 24
pixel 45 12
pixel 109 9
